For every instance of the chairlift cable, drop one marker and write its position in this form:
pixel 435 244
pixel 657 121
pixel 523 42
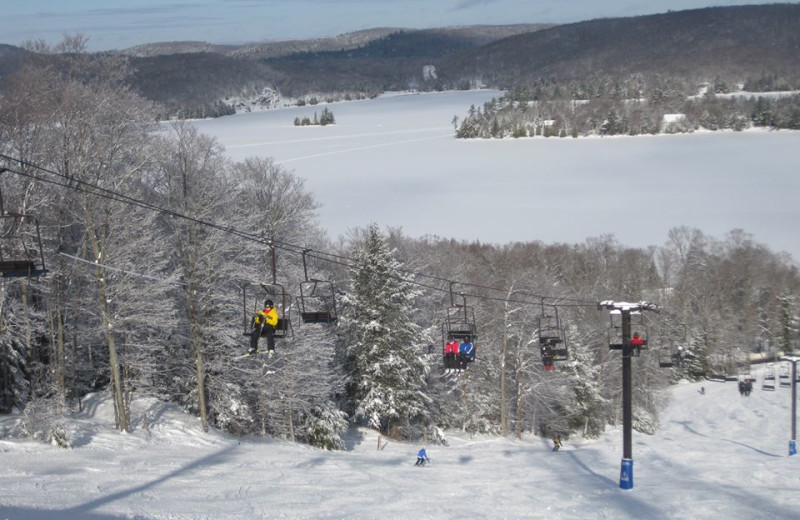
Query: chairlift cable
pixel 292 248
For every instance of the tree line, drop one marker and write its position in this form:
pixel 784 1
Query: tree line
pixel 150 233
pixel 628 108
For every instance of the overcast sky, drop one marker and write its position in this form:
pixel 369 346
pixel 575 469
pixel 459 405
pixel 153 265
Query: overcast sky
pixel 118 24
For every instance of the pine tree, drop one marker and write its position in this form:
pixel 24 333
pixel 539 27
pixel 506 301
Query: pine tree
pixel 382 355
pixel 586 406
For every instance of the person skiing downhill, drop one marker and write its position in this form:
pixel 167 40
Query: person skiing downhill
pixel 556 442
pixel 422 457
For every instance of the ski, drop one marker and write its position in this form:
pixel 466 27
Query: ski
pixel 256 353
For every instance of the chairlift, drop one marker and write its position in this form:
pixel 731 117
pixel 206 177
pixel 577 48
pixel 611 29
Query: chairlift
pixel 21 252
pixel 459 325
pixel 670 345
pixel 639 328
pixel 254 294
pixel 785 376
pixel 317 299
pixel 552 338
pixel 768 382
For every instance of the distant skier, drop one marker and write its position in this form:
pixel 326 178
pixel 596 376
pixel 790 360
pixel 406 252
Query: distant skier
pixel 702 390
pixel 422 457
pixel 557 443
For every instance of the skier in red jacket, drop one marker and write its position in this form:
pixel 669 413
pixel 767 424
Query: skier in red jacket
pixel 637 342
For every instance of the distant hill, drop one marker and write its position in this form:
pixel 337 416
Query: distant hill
pixel 701 44
pixel 759 44
pixel 11 58
pixel 166 48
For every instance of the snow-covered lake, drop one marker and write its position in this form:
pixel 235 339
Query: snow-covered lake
pixel 394 161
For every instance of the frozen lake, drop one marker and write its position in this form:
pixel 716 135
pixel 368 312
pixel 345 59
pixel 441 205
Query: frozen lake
pixel 394 161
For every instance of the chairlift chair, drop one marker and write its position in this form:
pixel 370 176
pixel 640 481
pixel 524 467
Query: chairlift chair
pixel 670 345
pixel 459 324
pixel 317 299
pixel 638 325
pixel 253 294
pixel 666 359
pixel 552 338
pixel 21 252
pixel 768 383
pixel 785 376
pixel 459 321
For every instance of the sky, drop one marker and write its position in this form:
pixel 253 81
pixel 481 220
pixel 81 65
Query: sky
pixel 115 24
pixel 716 456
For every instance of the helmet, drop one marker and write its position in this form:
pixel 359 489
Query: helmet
pixel 268 303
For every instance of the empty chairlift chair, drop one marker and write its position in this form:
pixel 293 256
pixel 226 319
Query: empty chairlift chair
pixel 768 382
pixel 317 299
pixel 21 253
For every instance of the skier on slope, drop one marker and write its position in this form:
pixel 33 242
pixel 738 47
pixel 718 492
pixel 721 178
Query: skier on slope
pixel 422 457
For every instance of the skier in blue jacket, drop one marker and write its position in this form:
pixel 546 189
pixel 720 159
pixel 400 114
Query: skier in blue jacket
pixel 466 352
pixel 422 457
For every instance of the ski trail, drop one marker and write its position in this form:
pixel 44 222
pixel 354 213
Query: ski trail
pixel 360 148
pixel 336 137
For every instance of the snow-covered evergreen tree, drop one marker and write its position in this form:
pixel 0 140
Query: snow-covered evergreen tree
pixel 382 354
pixel 586 407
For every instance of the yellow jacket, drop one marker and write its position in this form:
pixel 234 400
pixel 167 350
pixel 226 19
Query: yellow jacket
pixel 268 315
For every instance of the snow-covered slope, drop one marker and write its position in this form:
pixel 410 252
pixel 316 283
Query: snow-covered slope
pixel 717 455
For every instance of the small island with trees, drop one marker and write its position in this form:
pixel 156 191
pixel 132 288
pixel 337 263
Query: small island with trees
pixel 326 118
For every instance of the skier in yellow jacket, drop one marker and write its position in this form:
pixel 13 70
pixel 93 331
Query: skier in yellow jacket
pixel 264 323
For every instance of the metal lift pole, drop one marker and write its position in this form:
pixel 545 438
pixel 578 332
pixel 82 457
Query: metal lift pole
pixel 793 437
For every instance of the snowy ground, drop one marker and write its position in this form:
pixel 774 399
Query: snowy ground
pixel 717 455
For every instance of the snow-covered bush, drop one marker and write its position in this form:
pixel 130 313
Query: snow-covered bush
pixel 58 436
pixel 322 427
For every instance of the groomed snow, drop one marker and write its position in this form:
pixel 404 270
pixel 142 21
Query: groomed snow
pixel 717 455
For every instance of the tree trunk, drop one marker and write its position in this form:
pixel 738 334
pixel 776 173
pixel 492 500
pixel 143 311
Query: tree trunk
pixel 201 381
pixel 503 381
pixel 61 361
pixel 105 312
pixel 519 417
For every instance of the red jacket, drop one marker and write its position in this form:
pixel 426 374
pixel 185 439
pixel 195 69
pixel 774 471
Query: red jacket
pixel 451 347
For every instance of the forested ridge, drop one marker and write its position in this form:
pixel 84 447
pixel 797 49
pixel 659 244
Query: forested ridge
pixel 150 237
pixel 616 62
